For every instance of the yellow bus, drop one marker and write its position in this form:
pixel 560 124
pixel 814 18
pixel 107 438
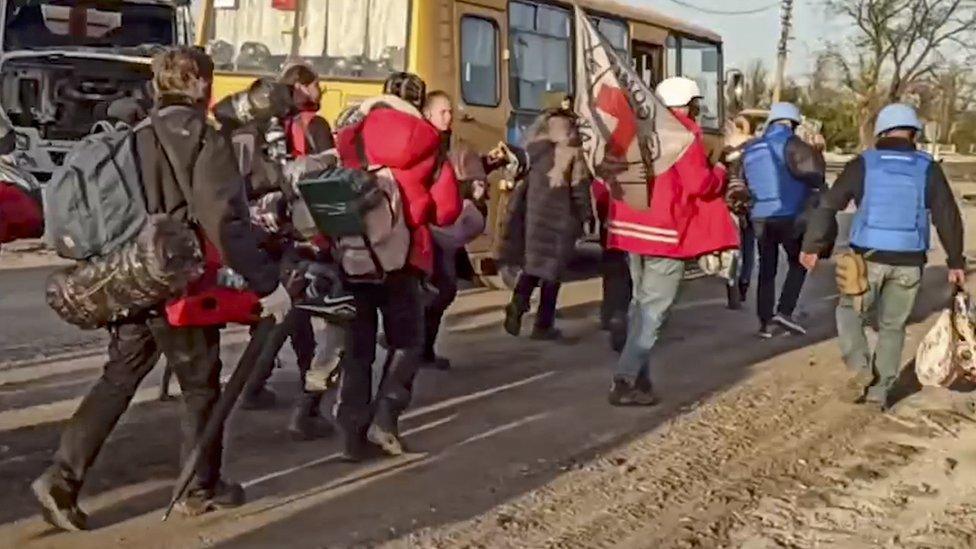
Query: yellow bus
pixel 499 59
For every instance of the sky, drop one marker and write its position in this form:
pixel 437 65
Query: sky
pixel 748 37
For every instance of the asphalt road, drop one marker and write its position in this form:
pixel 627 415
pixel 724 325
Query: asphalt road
pixel 29 329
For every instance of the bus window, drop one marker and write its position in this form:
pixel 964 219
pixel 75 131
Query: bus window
pixel 700 61
pixel 616 34
pixel 479 61
pixel 343 38
pixel 541 50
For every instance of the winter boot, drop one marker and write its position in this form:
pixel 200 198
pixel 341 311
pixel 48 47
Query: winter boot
pixel 384 431
pixel 224 495
pixel 59 504
pixel 514 312
pixel 306 422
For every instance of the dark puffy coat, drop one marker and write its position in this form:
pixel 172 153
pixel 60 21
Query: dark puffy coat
pixel 546 214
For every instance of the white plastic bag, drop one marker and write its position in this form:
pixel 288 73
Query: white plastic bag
pixel 935 359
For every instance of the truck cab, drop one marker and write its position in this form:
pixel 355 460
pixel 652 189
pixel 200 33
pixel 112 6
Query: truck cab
pixel 64 62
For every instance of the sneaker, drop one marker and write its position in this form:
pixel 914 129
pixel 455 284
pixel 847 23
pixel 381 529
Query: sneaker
pixel 263 399
pixel 645 391
pixel 857 386
pixel 765 332
pixel 789 324
pixel 546 334
pixel 323 376
pixel 224 495
pixel 513 319
pixel 332 308
pixel 58 505
pixel 625 394
pixel 387 441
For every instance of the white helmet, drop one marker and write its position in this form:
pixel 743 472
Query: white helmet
pixel 678 91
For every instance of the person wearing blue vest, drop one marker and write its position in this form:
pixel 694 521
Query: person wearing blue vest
pixel 898 190
pixel 783 174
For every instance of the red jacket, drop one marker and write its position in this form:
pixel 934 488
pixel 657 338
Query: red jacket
pixel 406 143
pixel 687 217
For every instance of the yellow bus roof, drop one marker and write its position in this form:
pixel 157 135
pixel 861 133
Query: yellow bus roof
pixel 647 15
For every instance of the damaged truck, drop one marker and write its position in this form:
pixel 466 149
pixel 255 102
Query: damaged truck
pixel 65 61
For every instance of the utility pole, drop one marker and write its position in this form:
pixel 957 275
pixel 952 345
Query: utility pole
pixel 786 20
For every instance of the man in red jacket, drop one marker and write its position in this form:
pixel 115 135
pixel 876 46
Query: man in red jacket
pixel 393 135
pixel 686 218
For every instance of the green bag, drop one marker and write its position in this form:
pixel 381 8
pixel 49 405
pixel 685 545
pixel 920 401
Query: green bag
pixel 337 199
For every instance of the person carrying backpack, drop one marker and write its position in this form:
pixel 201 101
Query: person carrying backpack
pixel 189 173
pixel 389 137
pixel 784 175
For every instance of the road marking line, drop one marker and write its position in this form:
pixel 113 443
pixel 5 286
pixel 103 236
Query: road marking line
pixel 500 429
pixel 449 403
pixel 332 457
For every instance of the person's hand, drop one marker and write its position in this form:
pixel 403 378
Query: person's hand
pixel 809 261
pixel 957 277
pixel 276 304
pixel 735 134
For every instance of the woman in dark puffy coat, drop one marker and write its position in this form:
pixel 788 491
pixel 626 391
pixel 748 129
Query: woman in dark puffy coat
pixel 546 216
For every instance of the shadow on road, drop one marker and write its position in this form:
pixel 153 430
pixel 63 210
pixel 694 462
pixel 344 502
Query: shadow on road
pixel 510 417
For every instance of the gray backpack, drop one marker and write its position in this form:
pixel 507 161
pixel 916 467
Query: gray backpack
pixel 95 202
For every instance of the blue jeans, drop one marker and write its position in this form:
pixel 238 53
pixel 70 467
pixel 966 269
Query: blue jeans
pixel 655 281
pixel 890 299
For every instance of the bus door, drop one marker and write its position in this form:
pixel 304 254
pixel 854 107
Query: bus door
pixel 481 96
pixel 481 84
pixel 649 62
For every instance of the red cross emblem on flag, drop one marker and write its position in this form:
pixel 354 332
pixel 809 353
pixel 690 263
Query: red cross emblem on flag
pixel 613 101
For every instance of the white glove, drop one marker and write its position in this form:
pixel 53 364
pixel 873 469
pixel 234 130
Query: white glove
pixel 276 304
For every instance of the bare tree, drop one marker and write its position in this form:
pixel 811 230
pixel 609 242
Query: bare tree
pixel 756 90
pixel 896 44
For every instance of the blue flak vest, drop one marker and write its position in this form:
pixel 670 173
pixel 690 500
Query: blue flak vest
pixel 775 192
pixel 893 216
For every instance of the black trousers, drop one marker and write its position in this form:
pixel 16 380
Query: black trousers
pixel 302 340
pixel 617 286
pixel 134 348
pixel 548 294
pixel 773 234
pixel 445 281
pixel 400 300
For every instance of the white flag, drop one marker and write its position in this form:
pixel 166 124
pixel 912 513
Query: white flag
pixel 628 134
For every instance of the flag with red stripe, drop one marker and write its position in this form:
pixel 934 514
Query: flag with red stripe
pixel 628 134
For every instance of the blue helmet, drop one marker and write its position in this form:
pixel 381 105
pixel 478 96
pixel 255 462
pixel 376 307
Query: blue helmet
pixel 897 115
pixel 784 111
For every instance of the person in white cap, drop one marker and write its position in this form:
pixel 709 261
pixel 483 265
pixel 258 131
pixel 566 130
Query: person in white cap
pixel 685 217
pixel 784 175
pixel 898 191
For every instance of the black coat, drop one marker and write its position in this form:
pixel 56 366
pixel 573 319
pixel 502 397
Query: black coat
pixel 546 215
pixel 181 150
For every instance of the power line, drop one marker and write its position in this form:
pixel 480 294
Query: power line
pixel 725 12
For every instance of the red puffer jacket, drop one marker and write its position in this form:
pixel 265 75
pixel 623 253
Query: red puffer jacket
pixel 687 217
pixel 396 136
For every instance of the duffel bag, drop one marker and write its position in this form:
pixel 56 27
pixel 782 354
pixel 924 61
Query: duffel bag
pixel 157 265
